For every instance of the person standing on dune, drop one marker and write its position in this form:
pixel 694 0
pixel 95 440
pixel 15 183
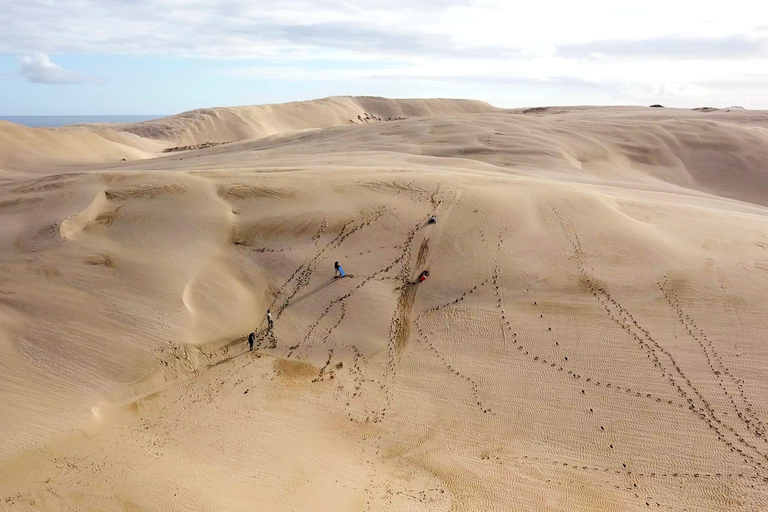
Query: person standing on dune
pixel 339 270
pixel 251 340
pixel 270 323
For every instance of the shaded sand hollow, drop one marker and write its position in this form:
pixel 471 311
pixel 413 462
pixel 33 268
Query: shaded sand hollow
pixel 592 335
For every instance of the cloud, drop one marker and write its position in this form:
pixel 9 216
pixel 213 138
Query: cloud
pixel 385 30
pixel 39 69
pixel 236 29
pixel 355 38
pixel 228 28
pixel 410 74
pixel 669 48
pixel 547 46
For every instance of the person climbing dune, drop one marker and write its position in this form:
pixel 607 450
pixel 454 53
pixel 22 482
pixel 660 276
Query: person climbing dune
pixel 270 322
pixel 251 340
pixel 339 270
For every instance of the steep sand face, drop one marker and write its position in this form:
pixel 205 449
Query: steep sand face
pixel 590 337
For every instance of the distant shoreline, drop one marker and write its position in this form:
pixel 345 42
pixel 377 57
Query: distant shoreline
pixel 58 121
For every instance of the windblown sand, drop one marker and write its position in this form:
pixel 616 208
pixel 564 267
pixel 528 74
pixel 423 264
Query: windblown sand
pixel 592 334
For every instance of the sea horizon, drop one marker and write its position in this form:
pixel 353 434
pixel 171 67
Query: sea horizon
pixel 59 121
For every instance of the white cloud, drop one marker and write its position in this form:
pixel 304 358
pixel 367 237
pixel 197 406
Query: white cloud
pixel 386 28
pixel 601 42
pixel 39 69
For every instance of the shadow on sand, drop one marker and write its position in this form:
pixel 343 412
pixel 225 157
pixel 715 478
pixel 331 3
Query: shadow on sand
pixel 309 294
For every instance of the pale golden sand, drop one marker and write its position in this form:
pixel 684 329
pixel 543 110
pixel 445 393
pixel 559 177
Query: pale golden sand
pixel 591 335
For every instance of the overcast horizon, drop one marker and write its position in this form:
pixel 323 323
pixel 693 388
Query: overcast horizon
pixel 112 57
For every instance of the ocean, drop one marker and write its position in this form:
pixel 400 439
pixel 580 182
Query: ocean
pixel 55 121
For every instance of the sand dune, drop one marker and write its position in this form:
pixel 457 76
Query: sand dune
pixel 590 336
pixel 25 148
pixel 28 149
pixel 241 123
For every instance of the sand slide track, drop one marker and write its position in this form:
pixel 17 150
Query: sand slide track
pixel 401 320
pixel 399 329
pixel 439 309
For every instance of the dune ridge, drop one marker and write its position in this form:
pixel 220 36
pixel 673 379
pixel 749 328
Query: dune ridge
pixel 25 148
pixel 242 123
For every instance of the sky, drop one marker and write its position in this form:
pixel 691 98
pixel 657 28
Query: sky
pixel 131 57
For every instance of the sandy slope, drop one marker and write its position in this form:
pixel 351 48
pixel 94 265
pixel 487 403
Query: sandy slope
pixel 591 336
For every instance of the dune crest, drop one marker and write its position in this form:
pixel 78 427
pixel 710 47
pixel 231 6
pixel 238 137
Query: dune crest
pixel 23 148
pixel 253 122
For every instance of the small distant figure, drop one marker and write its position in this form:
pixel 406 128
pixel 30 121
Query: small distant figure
pixel 339 271
pixel 270 322
pixel 423 276
pixel 432 219
pixel 251 340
